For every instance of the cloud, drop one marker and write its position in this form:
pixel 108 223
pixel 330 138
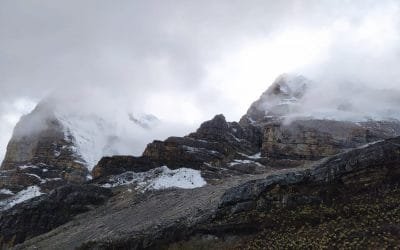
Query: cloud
pixel 10 112
pixel 185 61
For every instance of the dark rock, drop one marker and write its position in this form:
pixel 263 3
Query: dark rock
pixel 41 214
pixel 213 141
pixel 354 170
pixel 315 139
pixel 178 152
pixel 118 164
pixel 210 148
pixel 39 138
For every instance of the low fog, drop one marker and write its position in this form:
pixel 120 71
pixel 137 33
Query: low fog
pixel 185 61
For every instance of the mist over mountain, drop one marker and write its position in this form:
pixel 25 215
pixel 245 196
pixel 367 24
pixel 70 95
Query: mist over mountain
pixel 297 97
pixel 96 130
pixel 208 124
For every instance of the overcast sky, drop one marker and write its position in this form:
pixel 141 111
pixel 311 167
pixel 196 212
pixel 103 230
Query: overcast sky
pixel 187 60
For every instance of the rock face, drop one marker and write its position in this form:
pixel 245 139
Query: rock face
pixel 39 138
pixel 214 140
pixel 358 169
pixel 119 164
pixel 40 153
pixel 314 139
pixel 44 213
pixel 280 99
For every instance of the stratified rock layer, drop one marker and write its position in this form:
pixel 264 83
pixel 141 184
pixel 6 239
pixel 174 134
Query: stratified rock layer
pixel 315 139
pixel 39 153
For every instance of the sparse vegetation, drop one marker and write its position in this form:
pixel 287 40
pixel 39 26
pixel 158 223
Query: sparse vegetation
pixel 368 220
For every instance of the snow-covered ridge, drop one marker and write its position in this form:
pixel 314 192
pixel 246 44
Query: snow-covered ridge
pixel 159 178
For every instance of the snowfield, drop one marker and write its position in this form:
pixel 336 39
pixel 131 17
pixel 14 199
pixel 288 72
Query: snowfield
pixel 159 178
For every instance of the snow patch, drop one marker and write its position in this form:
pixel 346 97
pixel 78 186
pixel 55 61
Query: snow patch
pixel 254 157
pixel 57 153
pixel 24 195
pixel 237 162
pixel 234 137
pixel 159 178
pixel 198 150
pixel 371 143
pixel 6 191
pixel 26 167
pixel 42 181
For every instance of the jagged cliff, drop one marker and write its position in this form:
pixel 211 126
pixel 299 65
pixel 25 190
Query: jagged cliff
pixel 40 156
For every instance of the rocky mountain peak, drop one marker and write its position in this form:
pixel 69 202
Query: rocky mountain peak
pixel 218 122
pixel 280 99
pixel 52 146
pixel 287 86
pixel 146 121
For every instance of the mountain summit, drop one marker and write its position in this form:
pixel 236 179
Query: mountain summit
pixel 280 99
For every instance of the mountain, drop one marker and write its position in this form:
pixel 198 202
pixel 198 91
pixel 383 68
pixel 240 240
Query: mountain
pixel 280 99
pixel 51 147
pixel 277 177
